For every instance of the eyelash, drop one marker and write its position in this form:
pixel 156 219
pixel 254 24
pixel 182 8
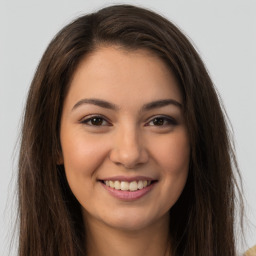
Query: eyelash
pixel 164 121
pixel 88 121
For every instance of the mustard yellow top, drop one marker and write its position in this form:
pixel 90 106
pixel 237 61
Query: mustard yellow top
pixel 251 252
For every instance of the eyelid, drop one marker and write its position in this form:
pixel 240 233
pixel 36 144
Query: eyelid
pixel 88 118
pixel 170 119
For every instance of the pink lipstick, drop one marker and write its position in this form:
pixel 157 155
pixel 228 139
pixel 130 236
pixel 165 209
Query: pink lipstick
pixel 128 188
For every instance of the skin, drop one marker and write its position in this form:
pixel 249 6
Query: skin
pixel 125 141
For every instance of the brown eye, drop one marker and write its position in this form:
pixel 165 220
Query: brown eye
pixel 158 121
pixel 162 121
pixel 95 121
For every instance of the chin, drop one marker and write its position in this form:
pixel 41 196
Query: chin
pixel 132 221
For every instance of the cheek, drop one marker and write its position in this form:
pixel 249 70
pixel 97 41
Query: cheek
pixel 82 154
pixel 173 156
pixel 174 153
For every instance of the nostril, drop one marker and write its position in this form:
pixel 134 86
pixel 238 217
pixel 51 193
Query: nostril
pixel 129 158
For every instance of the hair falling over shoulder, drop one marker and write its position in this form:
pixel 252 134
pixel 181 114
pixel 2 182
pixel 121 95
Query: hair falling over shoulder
pixel 202 220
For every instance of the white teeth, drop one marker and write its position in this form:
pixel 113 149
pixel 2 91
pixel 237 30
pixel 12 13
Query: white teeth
pixel 125 185
pixel 111 184
pixel 133 186
pixel 140 184
pixel 117 184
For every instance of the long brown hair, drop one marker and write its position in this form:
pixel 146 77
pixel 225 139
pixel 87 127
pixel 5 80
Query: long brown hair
pixel 202 220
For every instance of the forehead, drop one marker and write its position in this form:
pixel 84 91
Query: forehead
pixel 123 76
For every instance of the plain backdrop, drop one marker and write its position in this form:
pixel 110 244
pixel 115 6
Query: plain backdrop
pixel 223 31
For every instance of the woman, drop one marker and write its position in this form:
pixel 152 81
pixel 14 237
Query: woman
pixel 125 149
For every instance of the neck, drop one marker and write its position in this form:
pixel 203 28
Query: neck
pixel 103 240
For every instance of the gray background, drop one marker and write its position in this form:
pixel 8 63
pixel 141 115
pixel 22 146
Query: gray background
pixel 224 32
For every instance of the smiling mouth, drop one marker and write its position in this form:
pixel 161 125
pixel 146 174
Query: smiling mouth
pixel 128 186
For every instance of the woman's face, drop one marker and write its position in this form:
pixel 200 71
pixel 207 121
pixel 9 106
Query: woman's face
pixel 124 141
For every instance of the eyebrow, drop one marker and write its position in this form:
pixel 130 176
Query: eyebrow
pixel 97 102
pixel 145 107
pixel 161 103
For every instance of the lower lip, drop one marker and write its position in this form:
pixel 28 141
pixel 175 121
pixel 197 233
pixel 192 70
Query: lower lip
pixel 129 195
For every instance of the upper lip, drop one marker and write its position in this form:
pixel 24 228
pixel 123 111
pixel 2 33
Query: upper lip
pixel 129 179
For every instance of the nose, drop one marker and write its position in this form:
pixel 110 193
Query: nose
pixel 128 149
